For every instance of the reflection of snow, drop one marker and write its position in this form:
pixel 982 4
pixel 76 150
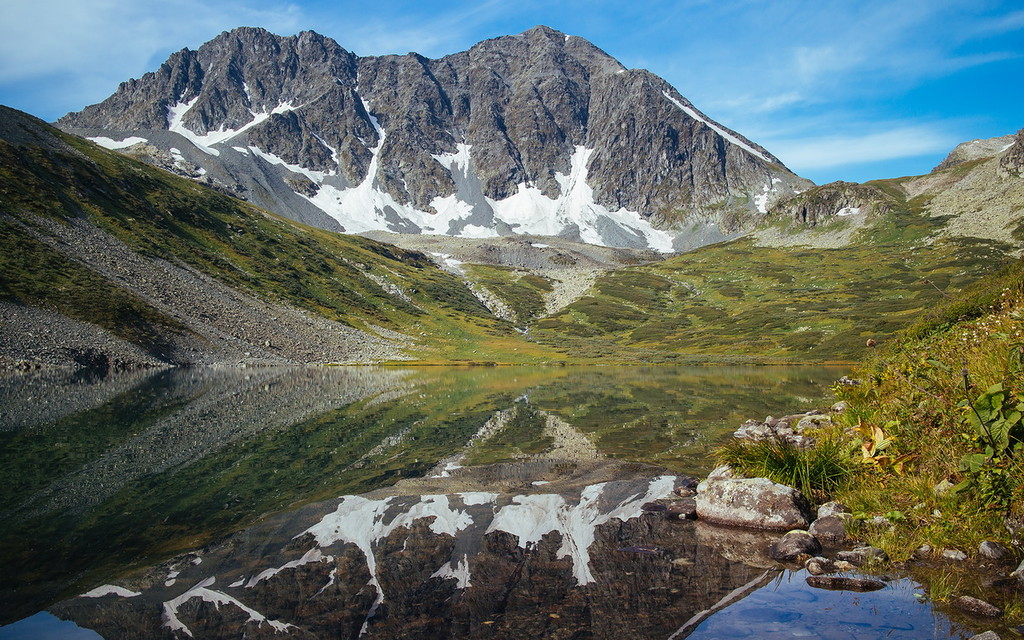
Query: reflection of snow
pixel 170 611
pixel 365 522
pixel 110 589
pixel 530 518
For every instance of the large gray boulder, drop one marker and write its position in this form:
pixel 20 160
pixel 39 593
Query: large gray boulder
pixel 756 503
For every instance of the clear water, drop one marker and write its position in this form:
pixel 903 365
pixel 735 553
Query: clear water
pixel 102 478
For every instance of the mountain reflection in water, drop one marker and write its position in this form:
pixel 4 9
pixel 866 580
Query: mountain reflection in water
pixel 102 476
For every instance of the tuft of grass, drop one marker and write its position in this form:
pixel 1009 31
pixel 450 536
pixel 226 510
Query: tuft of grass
pixel 818 472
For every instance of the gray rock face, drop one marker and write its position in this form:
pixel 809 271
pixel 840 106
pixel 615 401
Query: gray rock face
pixel 756 503
pixel 539 115
pixel 831 201
pixel 1012 162
pixel 973 150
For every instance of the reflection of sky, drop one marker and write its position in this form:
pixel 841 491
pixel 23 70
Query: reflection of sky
pixel 788 608
pixel 44 626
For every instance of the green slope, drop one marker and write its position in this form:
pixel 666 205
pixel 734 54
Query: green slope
pixel 738 300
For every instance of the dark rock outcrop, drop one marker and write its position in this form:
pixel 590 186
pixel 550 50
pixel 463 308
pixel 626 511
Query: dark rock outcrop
pixel 794 546
pixel 833 200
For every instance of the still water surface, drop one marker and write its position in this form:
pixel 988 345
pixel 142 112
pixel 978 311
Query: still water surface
pixel 451 502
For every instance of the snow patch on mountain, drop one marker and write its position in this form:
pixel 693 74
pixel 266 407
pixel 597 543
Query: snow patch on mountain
pixel 529 211
pixel 719 130
pixel 206 141
pixel 315 176
pixel 110 143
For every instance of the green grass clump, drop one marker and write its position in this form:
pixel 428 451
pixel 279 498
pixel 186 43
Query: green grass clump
pixel 818 472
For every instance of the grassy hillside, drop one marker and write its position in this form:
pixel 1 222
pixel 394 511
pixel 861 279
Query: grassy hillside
pixel 738 299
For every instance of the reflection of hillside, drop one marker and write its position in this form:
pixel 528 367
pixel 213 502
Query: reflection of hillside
pixel 473 565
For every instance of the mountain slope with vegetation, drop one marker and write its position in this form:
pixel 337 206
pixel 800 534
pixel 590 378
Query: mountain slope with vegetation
pixel 110 262
pixel 168 271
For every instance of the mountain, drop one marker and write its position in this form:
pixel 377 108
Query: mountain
pixel 538 133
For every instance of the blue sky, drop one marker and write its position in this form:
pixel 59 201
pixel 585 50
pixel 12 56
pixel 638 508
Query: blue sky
pixel 838 89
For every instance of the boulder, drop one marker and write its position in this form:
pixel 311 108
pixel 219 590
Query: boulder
pixel 792 546
pixel 976 607
pixel 988 635
pixel 756 503
pixel 861 556
pixel 830 529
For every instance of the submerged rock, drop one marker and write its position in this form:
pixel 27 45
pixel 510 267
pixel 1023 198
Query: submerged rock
pixel 756 503
pixel 818 566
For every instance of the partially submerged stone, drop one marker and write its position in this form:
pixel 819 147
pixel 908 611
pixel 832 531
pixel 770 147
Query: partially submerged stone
pixel 976 607
pixel 684 509
pixel 954 555
pixel 794 545
pixel 756 503
pixel 860 556
pixel 993 551
pixel 818 566
pixel 830 529
pixel 845 583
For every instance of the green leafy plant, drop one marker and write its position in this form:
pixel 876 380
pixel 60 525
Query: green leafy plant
pixel 996 420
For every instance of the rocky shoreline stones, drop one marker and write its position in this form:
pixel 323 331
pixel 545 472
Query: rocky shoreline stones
pixel 756 503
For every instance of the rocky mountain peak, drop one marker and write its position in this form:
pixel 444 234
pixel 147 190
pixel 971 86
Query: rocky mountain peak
pixel 539 132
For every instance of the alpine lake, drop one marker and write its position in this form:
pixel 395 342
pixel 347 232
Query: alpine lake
pixel 431 502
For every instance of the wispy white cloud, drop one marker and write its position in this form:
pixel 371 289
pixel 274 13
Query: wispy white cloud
pixel 70 36
pixel 826 151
